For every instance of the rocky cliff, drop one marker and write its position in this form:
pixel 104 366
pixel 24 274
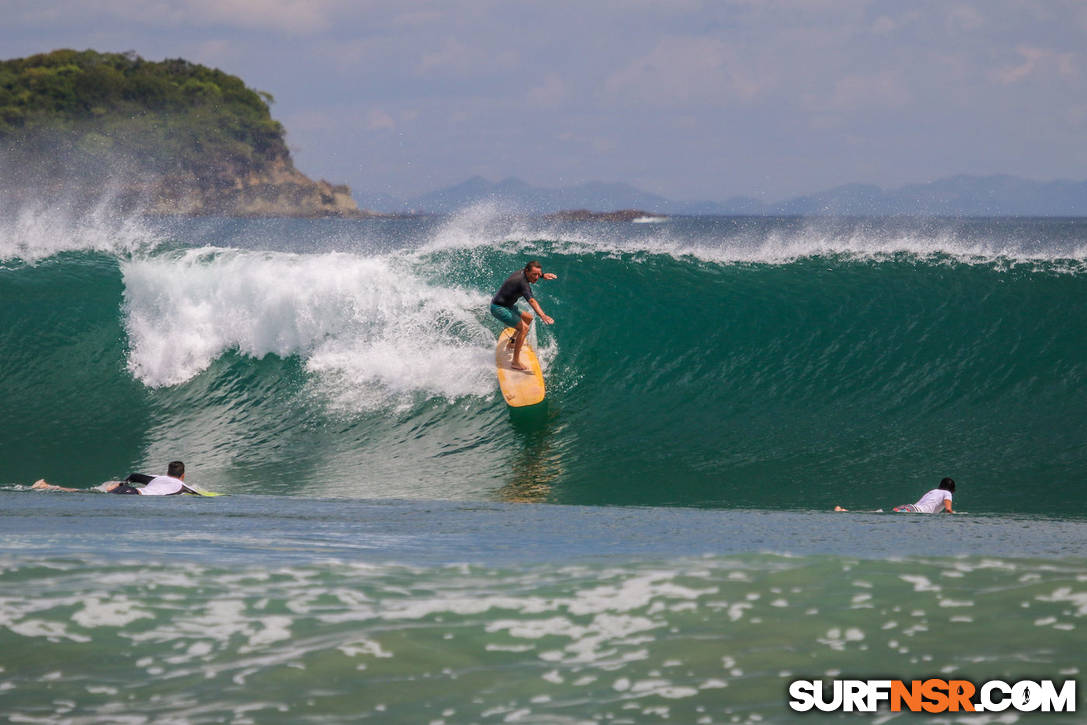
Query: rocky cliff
pixel 169 137
pixel 277 190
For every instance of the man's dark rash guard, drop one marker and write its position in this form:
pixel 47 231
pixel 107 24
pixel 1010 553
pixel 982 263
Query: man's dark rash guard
pixel 514 287
pixel 154 485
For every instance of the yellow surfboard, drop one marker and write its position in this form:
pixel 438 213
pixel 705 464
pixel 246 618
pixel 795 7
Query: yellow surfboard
pixel 519 387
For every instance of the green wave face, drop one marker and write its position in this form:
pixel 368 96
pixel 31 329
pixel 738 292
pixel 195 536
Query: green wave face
pixel 710 363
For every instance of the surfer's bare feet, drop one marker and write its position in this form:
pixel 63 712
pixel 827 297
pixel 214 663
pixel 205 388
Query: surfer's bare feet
pixel 518 366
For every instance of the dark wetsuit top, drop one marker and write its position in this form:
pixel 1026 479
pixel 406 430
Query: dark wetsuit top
pixel 126 487
pixel 514 287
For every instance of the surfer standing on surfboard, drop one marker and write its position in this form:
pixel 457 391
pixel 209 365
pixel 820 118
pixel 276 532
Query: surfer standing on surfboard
pixel 504 306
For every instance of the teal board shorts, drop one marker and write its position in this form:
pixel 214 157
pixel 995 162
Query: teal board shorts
pixel 508 316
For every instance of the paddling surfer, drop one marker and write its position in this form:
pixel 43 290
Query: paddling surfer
pixel 171 484
pixel 936 501
pixel 505 310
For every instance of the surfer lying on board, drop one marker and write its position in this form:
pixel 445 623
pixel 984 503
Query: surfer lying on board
pixel 938 500
pixel 504 306
pixel 169 485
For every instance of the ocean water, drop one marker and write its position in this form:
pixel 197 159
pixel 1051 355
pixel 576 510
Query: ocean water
pixel 654 544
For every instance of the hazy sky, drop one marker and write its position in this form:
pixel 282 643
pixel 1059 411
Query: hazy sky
pixel 691 100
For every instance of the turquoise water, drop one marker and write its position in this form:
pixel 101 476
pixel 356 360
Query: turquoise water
pixel 697 362
pixel 392 549
pixel 282 609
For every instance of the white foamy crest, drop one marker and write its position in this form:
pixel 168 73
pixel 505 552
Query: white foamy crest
pixel 367 326
pixel 861 243
pixel 755 241
pixel 33 233
pixel 481 225
pixel 466 227
pixel 782 246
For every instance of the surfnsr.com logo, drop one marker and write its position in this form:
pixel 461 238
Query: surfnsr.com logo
pixel 933 695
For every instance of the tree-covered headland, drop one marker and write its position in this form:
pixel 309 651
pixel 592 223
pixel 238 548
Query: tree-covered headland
pixel 177 132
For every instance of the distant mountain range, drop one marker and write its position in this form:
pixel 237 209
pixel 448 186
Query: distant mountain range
pixel 954 196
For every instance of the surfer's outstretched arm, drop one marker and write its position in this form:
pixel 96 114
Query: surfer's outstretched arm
pixel 42 485
pixel 539 311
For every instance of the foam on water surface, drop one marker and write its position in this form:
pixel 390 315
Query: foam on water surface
pixel 362 322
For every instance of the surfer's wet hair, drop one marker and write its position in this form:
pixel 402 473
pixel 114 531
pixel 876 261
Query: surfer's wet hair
pixel 176 469
pixel 533 264
pixel 948 485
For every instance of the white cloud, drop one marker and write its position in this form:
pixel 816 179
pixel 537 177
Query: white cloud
pixel 689 69
pixel 884 26
pixel 1016 73
pixel 1036 62
pixel 963 18
pixel 290 16
pixel 418 18
pixel 313 121
pixel 863 91
pixel 599 144
pixel 1076 116
pixel 215 53
pixel 453 55
pixel 380 120
pixel 549 94
pixel 791 85
pixel 350 54
pixel 20 12
pixel 454 58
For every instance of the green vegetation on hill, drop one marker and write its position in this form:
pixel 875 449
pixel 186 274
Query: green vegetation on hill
pixel 88 109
